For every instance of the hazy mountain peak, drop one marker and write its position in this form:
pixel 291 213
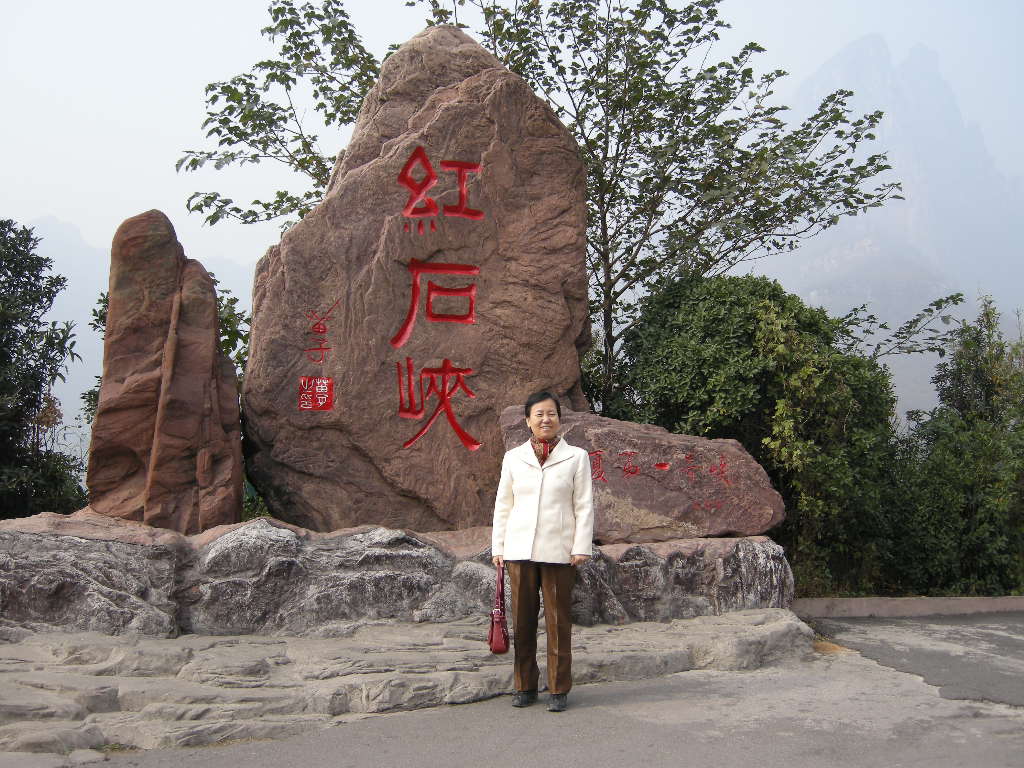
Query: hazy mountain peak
pixel 56 229
pixel 871 47
pixel 863 66
pixel 960 210
pixel 923 57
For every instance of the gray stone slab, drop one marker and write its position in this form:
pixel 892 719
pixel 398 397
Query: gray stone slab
pixel 846 607
pixel 31 760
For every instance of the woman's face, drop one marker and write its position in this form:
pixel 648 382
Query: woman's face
pixel 543 419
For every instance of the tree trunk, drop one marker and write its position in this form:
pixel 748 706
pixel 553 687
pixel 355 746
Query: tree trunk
pixel 608 361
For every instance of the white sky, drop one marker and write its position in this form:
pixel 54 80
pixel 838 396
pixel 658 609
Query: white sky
pixel 101 97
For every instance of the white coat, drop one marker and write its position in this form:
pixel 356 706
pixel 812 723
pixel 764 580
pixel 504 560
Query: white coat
pixel 545 514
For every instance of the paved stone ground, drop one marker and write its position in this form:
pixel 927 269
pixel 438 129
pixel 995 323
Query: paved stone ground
pixel 802 709
pixel 70 694
pixel 828 710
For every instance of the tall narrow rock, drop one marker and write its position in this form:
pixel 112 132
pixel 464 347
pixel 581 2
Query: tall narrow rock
pixel 166 440
pixel 441 278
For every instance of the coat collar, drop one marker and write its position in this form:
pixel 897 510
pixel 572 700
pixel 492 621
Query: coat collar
pixel 560 452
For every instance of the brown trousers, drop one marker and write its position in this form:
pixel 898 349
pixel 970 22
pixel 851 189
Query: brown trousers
pixel 556 581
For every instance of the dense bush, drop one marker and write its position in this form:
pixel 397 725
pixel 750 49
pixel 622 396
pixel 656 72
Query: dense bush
pixel 739 357
pixel 868 509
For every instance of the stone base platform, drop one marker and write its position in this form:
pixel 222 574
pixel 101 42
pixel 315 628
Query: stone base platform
pixel 64 693
pixel 87 572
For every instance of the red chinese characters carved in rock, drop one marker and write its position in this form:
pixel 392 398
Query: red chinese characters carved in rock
pixel 710 505
pixel 320 351
pixel 417 268
pixel 319 331
pixel 629 469
pixel 597 469
pixel 691 467
pixel 444 383
pixel 720 470
pixel 418 176
pixel 420 205
pixel 316 393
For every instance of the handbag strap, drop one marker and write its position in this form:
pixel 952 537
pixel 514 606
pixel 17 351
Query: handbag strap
pixel 499 592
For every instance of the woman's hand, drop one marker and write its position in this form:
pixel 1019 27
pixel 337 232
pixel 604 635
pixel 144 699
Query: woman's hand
pixel 498 560
pixel 579 559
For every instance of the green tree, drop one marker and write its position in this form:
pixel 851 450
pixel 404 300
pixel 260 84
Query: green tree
pixel 739 357
pixel 691 170
pixel 983 378
pixel 963 469
pixel 34 475
pixel 91 397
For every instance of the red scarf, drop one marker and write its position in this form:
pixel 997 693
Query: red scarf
pixel 542 448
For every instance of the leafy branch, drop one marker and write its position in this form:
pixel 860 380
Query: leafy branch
pixel 918 334
pixel 253 117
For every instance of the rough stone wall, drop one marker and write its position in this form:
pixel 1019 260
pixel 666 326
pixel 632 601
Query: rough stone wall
pixel 87 572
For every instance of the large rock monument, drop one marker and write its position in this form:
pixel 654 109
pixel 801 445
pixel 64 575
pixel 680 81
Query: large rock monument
pixel 166 441
pixel 441 279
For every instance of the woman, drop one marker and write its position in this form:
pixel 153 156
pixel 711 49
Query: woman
pixel 543 529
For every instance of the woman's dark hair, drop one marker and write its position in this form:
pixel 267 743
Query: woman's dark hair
pixel 540 397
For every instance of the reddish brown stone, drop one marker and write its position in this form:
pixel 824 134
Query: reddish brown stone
pixel 463 544
pixel 326 469
pixel 86 523
pixel 166 441
pixel 652 485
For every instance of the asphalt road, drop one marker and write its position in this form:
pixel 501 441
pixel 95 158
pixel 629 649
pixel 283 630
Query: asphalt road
pixel 843 708
pixel 979 657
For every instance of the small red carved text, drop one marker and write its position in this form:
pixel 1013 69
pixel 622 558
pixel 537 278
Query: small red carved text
pixel 316 393
pixel 629 469
pixel 597 470
pixel 319 331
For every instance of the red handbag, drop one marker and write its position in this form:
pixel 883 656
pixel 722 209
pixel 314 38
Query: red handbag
pixel 497 637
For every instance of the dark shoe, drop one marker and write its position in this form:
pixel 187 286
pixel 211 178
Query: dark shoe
pixel 557 702
pixel 524 698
